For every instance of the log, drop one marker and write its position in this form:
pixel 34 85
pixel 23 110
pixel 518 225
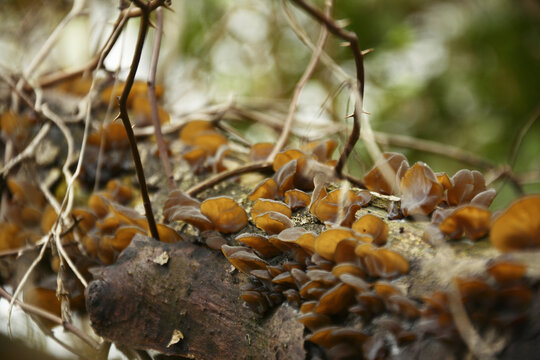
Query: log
pixel 141 303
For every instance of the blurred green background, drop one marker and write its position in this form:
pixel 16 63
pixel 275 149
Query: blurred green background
pixel 461 73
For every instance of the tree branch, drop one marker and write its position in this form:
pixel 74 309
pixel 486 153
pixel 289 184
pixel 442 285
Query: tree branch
pixel 123 115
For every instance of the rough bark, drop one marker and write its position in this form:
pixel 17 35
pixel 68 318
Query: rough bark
pixel 139 303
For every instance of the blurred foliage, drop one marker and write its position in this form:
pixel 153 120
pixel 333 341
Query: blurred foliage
pixel 463 73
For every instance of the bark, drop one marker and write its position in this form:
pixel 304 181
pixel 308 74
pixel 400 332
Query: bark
pixel 139 303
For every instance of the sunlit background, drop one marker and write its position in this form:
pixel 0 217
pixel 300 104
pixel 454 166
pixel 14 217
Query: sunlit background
pixel 461 73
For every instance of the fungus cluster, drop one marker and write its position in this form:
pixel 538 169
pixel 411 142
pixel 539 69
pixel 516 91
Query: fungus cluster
pixel 458 204
pixel 339 277
pixel 205 148
pixel 220 213
pixel 336 273
pixel 109 225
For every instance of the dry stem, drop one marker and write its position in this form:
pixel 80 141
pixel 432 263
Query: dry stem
pixel 163 153
pixel 143 27
pixel 298 89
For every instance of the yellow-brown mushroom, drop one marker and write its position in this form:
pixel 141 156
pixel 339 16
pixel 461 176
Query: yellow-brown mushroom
pixel 225 214
pixel 518 227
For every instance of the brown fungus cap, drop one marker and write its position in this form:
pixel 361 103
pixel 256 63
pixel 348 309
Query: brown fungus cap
pixel 402 306
pixel 357 283
pixel 327 241
pixel 469 220
pixel 322 276
pixel 284 177
pixel 506 271
pixel 243 259
pixel 127 215
pixel 420 191
pixel 272 222
pixel 299 236
pixel 124 235
pixel 86 220
pixel 368 305
pixel 344 252
pixel 299 277
pixel 182 207
pixel 314 321
pixel 349 268
pixel 374 179
pixel 267 189
pixel 297 199
pixel 466 185
pixel 385 289
pixel 225 214
pixel 335 300
pixel 374 226
pixel 485 198
pixel 329 337
pixel 99 205
pixel 255 301
pixel 264 205
pixel 192 129
pixel 260 243
pixel 321 150
pixel 308 306
pixel 213 239
pixel 383 263
pixel 293 297
pixel 518 227
pixel 284 157
pixel 312 290
pixel 260 151
pixel 340 206
pixel 285 278
pixel 444 180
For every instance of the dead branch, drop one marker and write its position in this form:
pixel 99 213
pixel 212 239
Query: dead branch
pixel 123 115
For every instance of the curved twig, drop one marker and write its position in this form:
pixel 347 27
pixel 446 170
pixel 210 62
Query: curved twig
pixel 208 183
pixel 298 89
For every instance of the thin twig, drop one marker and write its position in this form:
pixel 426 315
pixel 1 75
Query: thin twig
pixel 521 134
pixel 163 151
pixel 299 87
pixel 76 9
pixel 352 40
pixel 123 115
pixel 51 317
pixel 433 148
pixel 29 151
pixel 64 75
pixel 208 183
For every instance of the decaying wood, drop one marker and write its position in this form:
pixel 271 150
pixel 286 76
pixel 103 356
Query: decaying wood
pixel 140 303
